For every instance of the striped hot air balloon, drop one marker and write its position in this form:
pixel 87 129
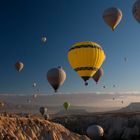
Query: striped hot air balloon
pixel 86 58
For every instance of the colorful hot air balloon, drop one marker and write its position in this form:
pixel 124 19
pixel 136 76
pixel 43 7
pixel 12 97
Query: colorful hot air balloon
pixel 98 75
pixel 56 77
pixel 43 110
pixel 112 16
pixel 86 58
pixel 66 105
pixel 136 10
pixel 19 66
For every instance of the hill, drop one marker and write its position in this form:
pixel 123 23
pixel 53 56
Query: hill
pixel 20 128
pixel 135 107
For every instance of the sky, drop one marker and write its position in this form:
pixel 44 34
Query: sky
pixel 65 22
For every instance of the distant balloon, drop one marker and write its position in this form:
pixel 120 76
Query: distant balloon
pixel 136 10
pixel 95 131
pixel 98 75
pixel 34 84
pixel 43 110
pixel 66 105
pixel 28 101
pixel 44 39
pixel 56 77
pixel 112 16
pixel 34 96
pixel 19 66
pixel 1 104
pixel 114 85
pixel 46 117
pixel 125 59
pixel 86 58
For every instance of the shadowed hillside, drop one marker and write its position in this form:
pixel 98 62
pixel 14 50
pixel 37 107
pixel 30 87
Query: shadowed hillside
pixel 131 107
pixel 117 126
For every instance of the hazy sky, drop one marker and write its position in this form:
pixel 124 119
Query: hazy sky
pixel 65 22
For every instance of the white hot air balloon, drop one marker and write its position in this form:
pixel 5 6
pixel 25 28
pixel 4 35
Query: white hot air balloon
pixel 95 131
pixel 34 96
pixel 34 84
pixel 44 39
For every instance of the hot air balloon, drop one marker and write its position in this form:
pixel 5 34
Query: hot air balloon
pixel 34 96
pixel 96 77
pixel 112 16
pixel 66 105
pixel 125 59
pixel 34 84
pixel 19 66
pixel 44 39
pixel 56 77
pixel 43 110
pixel 28 101
pixel 95 131
pixel 86 58
pixel 46 117
pixel 1 104
pixel 136 10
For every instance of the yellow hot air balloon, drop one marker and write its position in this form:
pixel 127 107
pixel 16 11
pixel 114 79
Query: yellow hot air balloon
pixel 86 58
pixel 112 16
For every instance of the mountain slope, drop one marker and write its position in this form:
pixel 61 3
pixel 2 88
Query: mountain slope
pixel 20 128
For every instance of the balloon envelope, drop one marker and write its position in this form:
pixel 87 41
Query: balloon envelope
pixel 112 17
pixel 34 96
pixel 95 131
pixel 1 104
pixel 98 75
pixel 44 39
pixel 86 58
pixel 136 10
pixel 19 66
pixel 56 77
pixel 66 105
pixel 28 101
pixel 34 84
pixel 43 110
